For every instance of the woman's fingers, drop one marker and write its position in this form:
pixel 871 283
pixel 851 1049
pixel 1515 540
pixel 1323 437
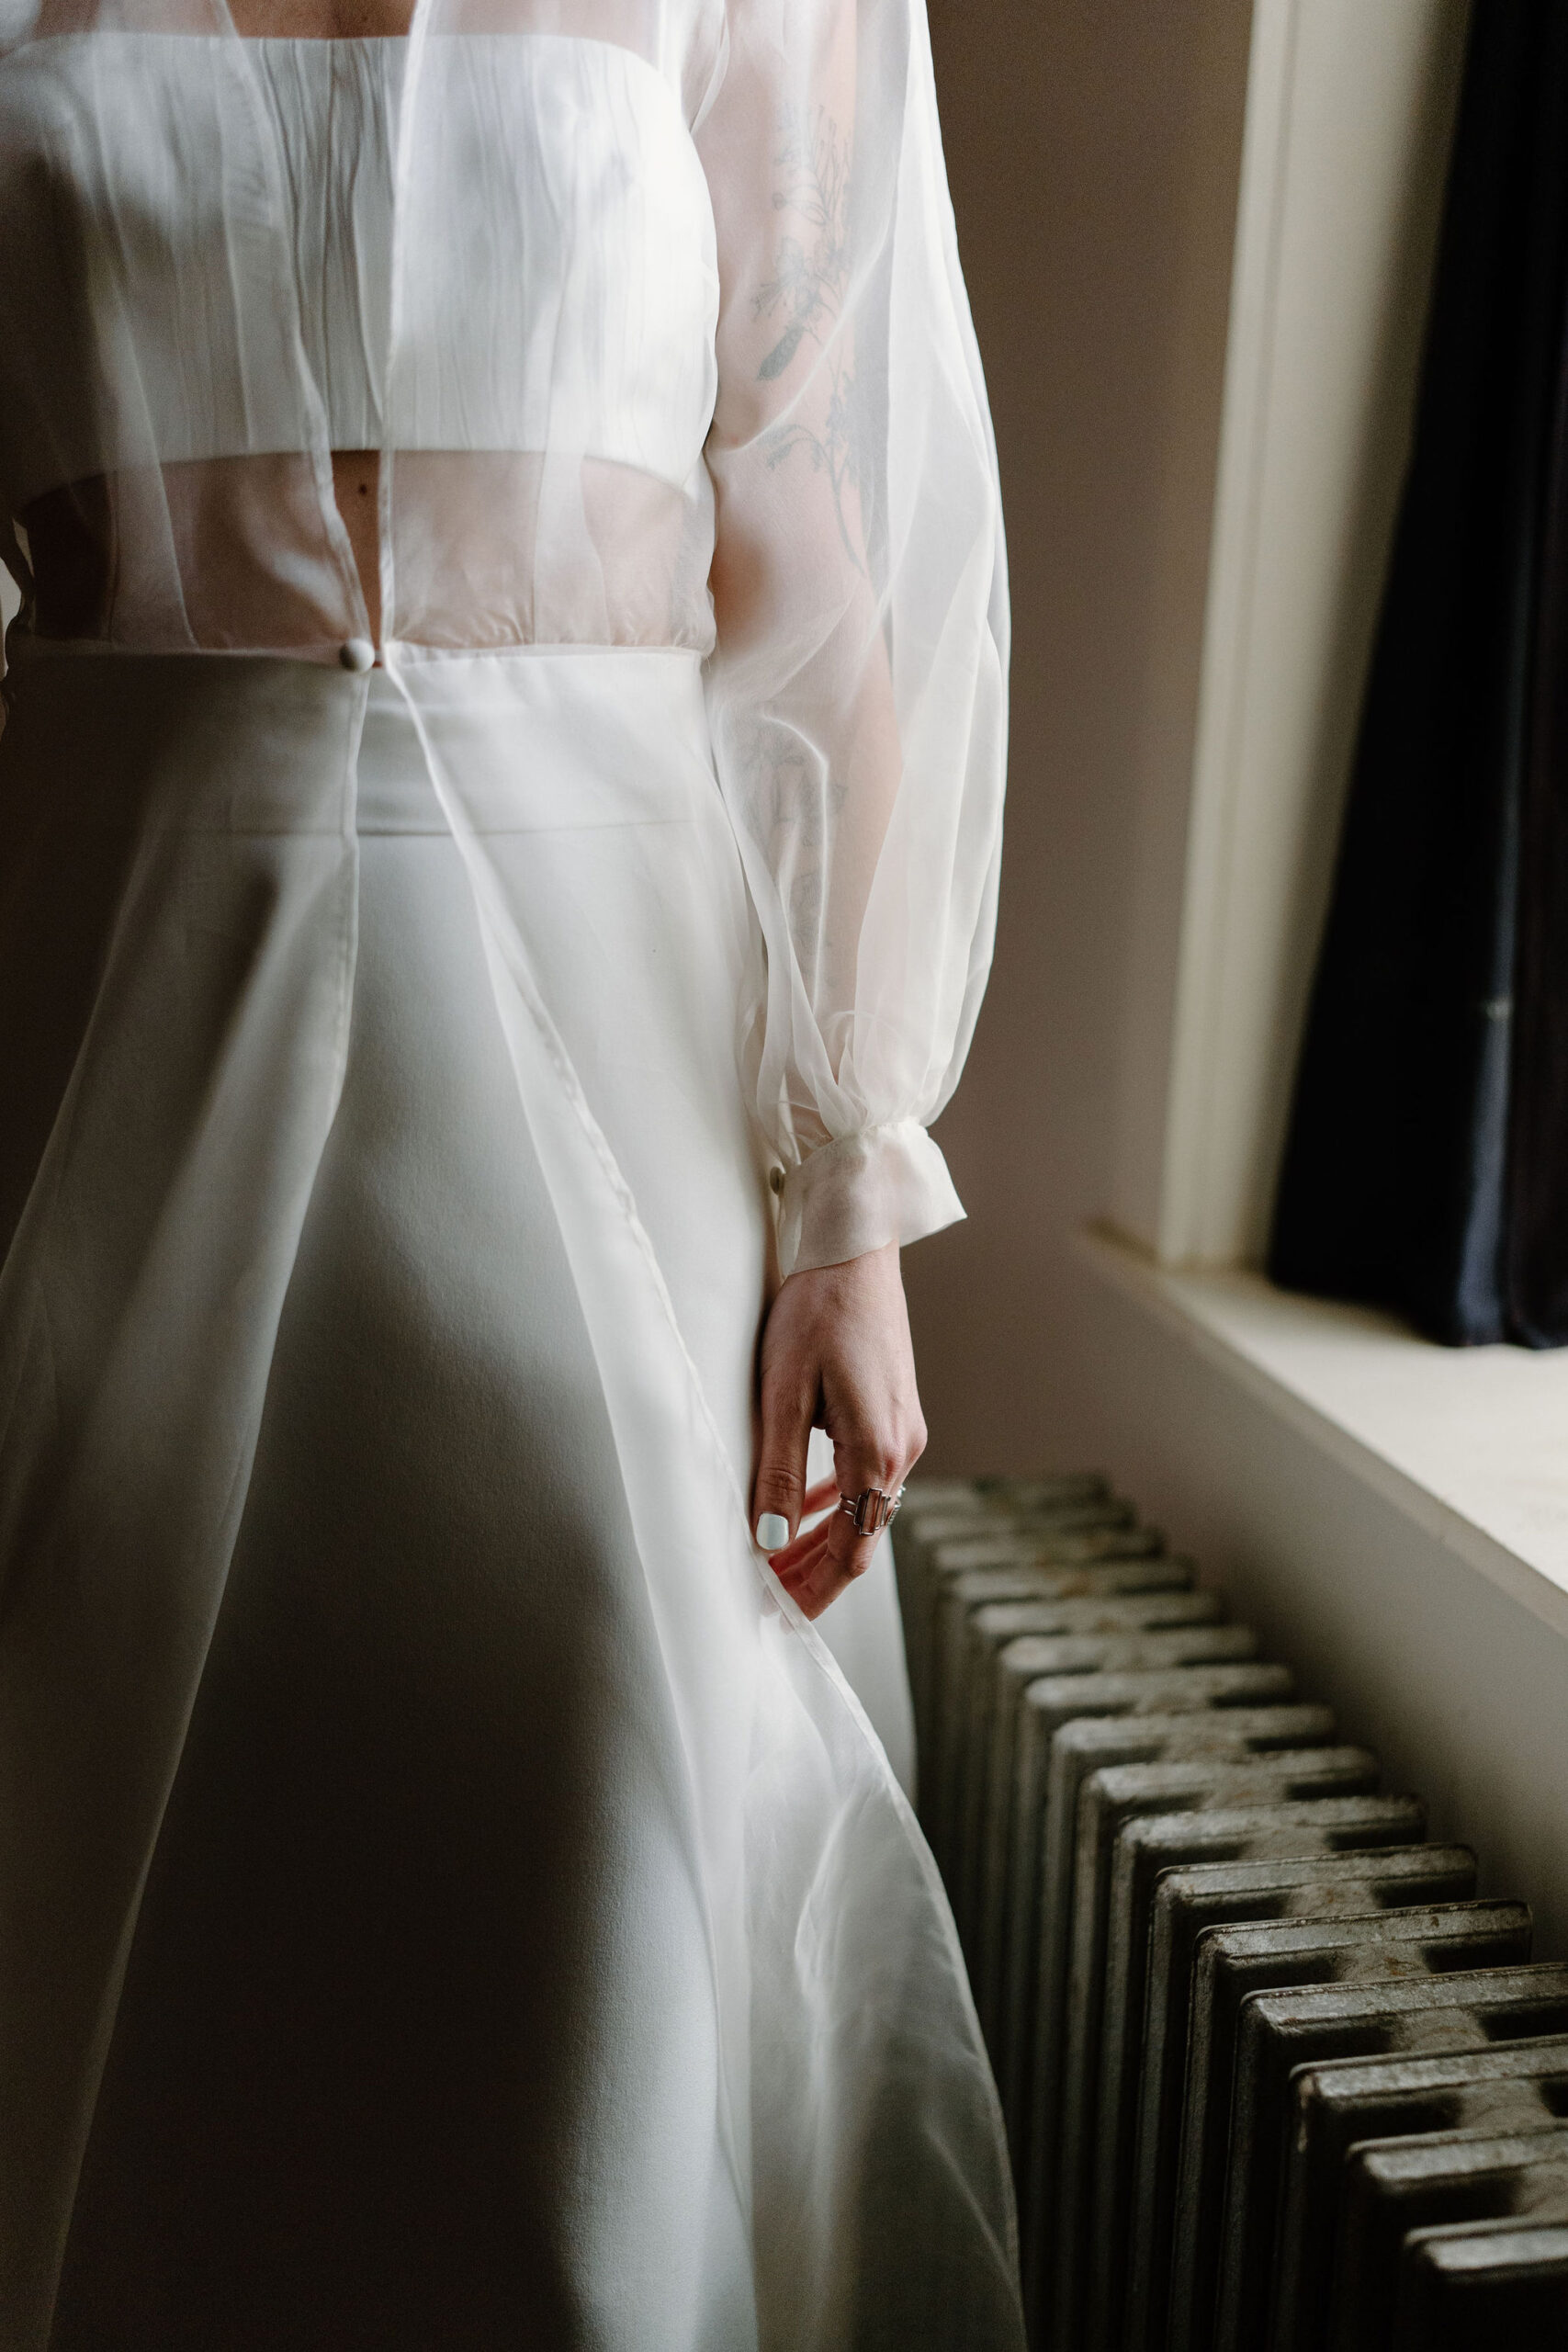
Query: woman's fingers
pixel 820 1564
pixel 846 1552
pixel 826 1558
pixel 832 1566
pixel 878 1435
pixel 788 1410
pixel 835 1351
pixel 817 1500
pixel 810 1578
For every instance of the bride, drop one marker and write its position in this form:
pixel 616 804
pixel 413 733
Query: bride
pixel 499 797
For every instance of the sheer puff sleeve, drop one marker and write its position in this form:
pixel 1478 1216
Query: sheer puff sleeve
pixel 857 688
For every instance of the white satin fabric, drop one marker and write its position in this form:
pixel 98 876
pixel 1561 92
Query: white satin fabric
pixel 729 864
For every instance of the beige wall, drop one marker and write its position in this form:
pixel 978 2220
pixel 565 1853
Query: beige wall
pixel 1093 148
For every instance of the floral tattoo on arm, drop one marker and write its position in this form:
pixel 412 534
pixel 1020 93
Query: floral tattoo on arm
pixel 806 296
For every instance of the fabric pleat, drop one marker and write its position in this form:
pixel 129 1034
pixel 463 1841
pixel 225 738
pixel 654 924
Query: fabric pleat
pixel 184 1093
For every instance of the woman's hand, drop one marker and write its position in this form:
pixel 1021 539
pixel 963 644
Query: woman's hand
pixel 835 1355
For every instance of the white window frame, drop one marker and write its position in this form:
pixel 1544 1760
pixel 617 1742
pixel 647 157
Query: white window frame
pixel 1350 112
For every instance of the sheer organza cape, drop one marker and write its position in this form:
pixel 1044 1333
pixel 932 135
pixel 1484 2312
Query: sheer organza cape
pixel 694 383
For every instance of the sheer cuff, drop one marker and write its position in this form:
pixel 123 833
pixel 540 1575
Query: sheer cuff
pixel 884 1184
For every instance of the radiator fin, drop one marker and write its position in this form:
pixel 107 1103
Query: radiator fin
pixel 1277 2078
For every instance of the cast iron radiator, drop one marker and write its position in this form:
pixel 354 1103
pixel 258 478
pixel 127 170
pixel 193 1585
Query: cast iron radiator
pixel 1275 2079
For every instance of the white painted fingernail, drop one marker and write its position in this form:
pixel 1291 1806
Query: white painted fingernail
pixel 773 1532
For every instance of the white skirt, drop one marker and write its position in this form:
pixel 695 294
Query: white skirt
pixel 442 1905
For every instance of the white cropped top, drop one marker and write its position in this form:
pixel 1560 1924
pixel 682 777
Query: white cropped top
pixel 335 106
pixel 589 291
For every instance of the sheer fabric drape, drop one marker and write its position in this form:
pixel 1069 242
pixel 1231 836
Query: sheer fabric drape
pixel 689 542
pixel 856 694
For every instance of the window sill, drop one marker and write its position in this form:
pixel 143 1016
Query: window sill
pixel 1471 1444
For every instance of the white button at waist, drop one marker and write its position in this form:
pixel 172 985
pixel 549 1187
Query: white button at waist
pixel 357 653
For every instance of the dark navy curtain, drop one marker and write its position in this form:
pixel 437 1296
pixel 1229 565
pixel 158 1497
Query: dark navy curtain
pixel 1427 1164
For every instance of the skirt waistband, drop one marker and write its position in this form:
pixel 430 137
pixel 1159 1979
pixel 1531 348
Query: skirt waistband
pixel 393 791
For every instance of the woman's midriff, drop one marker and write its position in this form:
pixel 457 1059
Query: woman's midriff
pixel 356 475
pixel 239 553
pixel 77 540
